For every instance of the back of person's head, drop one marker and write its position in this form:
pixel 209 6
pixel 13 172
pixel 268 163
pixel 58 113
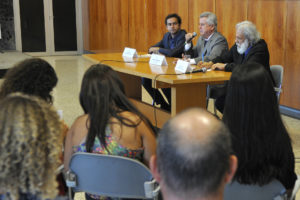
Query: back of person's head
pixel 211 19
pixel 30 146
pixel 101 87
pixel 193 156
pixel 102 96
pixel 249 31
pixel 252 115
pixel 32 76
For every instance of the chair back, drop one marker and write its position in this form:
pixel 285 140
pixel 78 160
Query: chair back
pixel 112 176
pixel 277 73
pixel 273 191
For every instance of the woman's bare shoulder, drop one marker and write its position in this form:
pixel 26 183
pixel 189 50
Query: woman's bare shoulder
pixel 130 115
pixel 79 124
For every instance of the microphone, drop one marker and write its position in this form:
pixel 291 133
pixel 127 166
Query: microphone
pixel 194 35
pixel 203 69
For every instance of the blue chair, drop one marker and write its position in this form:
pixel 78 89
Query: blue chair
pixel 277 73
pixel 112 176
pixel 271 191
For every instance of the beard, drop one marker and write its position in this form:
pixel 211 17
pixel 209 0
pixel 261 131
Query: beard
pixel 241 48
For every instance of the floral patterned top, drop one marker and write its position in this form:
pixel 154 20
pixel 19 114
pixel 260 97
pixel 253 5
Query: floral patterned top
pixel 113 148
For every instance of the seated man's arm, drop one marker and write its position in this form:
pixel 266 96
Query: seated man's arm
pixel 176 52
pixel 188 47
pixel 179 46
pixel 155 48
pixel 226 57
pixel 192 50
pixel 257 54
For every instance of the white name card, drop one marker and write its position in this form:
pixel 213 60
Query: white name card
pixel 158 60
pixel 129 53
pixel 183 66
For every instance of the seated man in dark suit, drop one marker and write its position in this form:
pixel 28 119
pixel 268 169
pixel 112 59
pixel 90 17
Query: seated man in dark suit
pixel 248 47
pixel 171 45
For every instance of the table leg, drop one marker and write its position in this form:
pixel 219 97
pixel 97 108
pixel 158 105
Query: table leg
pixel 188 95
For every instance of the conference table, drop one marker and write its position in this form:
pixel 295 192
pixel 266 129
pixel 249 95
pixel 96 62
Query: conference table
pixel 187 90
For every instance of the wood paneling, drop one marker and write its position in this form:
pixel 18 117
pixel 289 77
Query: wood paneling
pixel 108 24
pixel 196 7
pixel 137 26
pixel 270 18
pixel 114 24
pixel 229 13
pixel 291 81
pixel 146 20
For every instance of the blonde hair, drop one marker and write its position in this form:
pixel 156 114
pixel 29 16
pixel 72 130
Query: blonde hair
pixel 30 146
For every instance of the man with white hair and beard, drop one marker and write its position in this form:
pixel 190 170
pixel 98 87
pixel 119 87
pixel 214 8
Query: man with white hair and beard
pixel 248 47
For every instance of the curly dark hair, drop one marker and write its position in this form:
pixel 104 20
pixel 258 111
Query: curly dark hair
pixel 32 76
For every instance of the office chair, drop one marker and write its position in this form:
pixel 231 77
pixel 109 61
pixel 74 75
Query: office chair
pixel 112 176
pixel 272 191
pixel 277 73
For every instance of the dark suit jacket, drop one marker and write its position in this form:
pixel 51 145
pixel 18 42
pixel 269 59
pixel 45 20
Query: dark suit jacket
pixel 258 53
pixel 213 48
pixel 179 44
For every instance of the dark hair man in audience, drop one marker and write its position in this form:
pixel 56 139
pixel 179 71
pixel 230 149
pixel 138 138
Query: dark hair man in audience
pixel 193 159
pixel 248 47
pixel 210 44
pixel 171 45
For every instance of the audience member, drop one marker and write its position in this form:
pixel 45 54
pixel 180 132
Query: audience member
pixel 193 159
pixel 259 137
pixel 33 77
pixel 111 124
pixel 30 146
pixel 210 43
pixel 36 77
pixel 171 45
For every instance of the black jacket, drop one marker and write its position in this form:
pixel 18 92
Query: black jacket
pixel 258 53
pixel 179 44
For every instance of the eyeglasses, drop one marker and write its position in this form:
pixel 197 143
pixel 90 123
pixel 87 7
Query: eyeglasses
pixel 174 23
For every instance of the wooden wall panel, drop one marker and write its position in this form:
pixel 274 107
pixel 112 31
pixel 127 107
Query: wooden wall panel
pixel 114 24
pixel 146 20
pixel 196 7
pixel 270 19
pixel 108 24
pixel 229 13
pixel 137 26
pixel 291 81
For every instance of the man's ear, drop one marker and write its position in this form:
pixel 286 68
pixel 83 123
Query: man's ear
pixel 233 164
pixel 154 169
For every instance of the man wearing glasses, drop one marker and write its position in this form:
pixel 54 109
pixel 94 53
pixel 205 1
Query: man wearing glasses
pixel 210 44
pixel 171 45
